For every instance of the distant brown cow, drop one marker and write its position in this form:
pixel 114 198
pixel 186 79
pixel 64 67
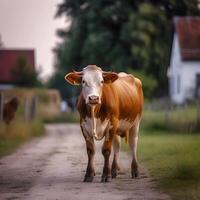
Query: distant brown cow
pixel 110 107
pixel 10 109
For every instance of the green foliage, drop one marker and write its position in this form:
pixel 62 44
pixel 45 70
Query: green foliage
pixel 117 35
pixel 58 82
pixel 24 75
pixel 149 84
pixel 149 34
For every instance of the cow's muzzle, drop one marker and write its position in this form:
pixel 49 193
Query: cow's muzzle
pixel 93 100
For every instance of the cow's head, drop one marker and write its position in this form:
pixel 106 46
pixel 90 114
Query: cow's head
pixel 92 79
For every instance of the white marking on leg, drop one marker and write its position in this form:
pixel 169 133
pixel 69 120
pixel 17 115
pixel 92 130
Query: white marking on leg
pixel 116 147
pixel 133 140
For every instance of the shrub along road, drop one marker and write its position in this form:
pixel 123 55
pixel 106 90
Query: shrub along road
pixel 53 167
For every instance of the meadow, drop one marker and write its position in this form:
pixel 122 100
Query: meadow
pixel 169 146
pixel 20 130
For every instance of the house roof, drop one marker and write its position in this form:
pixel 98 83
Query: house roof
pixel 188 31
pixel 9 58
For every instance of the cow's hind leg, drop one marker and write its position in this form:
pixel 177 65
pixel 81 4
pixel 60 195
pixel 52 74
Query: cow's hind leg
pixel 90 173
pixel 133 140
pixel 116 149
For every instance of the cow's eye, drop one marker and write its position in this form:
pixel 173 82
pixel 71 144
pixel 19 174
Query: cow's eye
pixel 83 81
pixel 102 82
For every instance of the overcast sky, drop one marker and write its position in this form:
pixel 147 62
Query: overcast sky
pixel 31 24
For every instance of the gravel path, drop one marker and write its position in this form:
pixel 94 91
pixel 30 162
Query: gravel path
pixel 53 167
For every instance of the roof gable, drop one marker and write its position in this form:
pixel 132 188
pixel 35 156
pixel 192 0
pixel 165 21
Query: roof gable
pixel 188 31
pixel 9 58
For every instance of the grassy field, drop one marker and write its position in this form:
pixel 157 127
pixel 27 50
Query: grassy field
pixel 174 162
pixel 180 119
pixel 20 130
pixel 169 146
pixel 16 133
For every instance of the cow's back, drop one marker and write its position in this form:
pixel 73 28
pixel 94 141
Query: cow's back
pixel 125 97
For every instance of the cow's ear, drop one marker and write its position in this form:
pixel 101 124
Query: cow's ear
pixel 110 77
pixel 74 78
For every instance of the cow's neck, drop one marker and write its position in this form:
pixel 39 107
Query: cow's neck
pixel 92 112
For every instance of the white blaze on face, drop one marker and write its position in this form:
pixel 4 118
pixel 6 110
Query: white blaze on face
pixel 92 82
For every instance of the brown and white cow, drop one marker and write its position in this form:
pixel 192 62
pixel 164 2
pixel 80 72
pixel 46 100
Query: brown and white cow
pixel 9 109
pixel 110 107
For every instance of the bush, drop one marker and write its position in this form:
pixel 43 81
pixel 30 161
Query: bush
pixel 25 75
pixel 149 83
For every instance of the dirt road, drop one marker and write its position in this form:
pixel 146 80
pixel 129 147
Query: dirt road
pixel 53 167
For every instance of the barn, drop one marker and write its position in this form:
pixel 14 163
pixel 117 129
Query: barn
pixel 8 60
pixel 184 70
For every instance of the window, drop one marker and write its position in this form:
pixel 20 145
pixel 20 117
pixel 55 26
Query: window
pixel 178 84
pixel 172 85
pixel 197 86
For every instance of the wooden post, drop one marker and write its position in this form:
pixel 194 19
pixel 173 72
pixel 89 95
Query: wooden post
pixel 34 107
pixel 26 110
pixel 1 105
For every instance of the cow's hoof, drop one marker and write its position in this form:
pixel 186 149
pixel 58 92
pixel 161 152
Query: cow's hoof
pixel 88 179
pixel 114 173
pixel 135 174
pixel 105 179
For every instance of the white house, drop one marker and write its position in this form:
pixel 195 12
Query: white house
pixel 184 69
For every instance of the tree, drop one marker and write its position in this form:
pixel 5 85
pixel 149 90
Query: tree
pixel 25 75
pixel 150 40
pixel 119 35
pixel 149 83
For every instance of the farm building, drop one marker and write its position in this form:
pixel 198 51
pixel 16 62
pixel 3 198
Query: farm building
pixel 9 59
pixel 184 69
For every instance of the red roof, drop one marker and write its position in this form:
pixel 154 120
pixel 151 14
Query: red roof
pixel 188 31
pixel 9 58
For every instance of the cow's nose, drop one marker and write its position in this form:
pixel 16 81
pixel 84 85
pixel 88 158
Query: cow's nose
pixel 93 99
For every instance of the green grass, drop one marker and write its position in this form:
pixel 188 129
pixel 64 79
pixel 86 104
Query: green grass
pixel 170 150
pixel 16 133
pixel 183 120
pixel 174 162
pixel 9 146
pixel 19 131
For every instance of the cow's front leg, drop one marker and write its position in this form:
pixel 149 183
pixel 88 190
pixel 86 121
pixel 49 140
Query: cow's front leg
pixel 90 173
pixel 116 149
pixel 106 150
